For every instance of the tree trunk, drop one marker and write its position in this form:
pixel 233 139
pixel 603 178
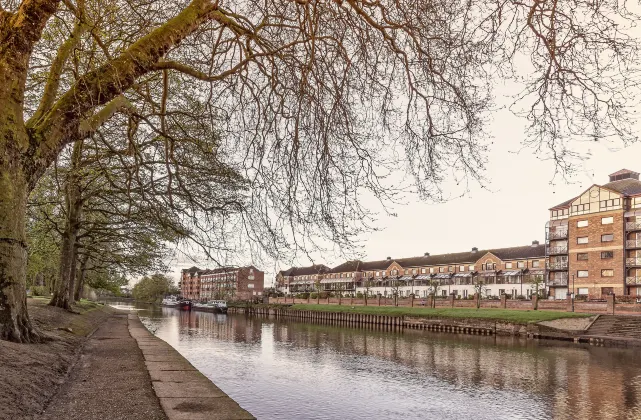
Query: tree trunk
pixel 14 319
pixel 81 278
pixel 64 291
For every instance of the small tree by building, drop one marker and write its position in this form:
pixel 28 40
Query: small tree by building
pixel 317 286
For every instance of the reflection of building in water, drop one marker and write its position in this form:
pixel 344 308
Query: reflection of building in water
pixel 236 329
pixel 577 382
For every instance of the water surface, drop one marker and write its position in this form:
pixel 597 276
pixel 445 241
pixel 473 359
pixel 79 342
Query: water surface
pixel 287 369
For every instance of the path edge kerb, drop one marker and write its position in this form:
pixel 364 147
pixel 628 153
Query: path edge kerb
pixel 183 391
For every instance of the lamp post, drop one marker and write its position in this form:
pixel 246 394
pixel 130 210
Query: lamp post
pixel 572 292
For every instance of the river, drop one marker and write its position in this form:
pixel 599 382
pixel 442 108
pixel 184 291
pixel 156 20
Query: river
pixel 288 369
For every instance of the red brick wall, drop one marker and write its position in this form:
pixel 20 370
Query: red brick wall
pixel 594 282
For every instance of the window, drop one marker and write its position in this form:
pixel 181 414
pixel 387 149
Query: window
pixel 582 240
pixel 450 268
pixel 555 213
pixel 378 274
pixel 582 273
pixel 443 292
pixel 610 203
pixel 508 265
pixel 464 293
pixel 250 285
pixel 520 264
pixel 432 270
pixel 471 268
pixel 461 268
pixel 536 264
pixel 607 237
pixel 414 271
pixel 423 271
pixel 441 269
pixel 607 220
pixel 582 223
pixel 607 255
pixel 607 272
pixel 501 292
pixel 582 291
pixel 582 256
pixel 580 208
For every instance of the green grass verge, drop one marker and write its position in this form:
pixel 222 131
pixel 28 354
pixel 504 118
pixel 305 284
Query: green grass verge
pixel 509 315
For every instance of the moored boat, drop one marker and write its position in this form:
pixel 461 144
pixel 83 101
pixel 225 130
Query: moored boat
pixel 170 301
pixel 214 306
pixel 185 305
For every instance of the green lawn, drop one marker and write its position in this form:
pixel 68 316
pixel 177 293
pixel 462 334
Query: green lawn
pixel 510 315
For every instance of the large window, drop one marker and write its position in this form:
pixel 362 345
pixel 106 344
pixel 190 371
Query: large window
pixel 582 291
pixel 536 263
pixel 520 264
pixel 582 273
pixel 423 271
pixel 508 265
pixel 607 273
pixel 471 268
pixel 607 220
pixel 441 269
pixel 582 240
pixel 582 256
pixel 461 268
pixel 582 223
pixel 609 237
pixel 606 255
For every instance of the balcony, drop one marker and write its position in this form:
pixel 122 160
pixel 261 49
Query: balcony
pixel 633 262
pixel 558 265
pixel 632 281
pixel 557 250
pixel 633 243
pixel 558 281
pixel 558 234
pixel 632 226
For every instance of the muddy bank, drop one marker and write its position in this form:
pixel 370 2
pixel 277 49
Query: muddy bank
pixel 32 373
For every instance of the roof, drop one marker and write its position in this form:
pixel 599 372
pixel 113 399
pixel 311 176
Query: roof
pixel 623 172
pixel 517 252
pixel 564 204
pixel 304 271
pixel 347 266
pixel 628 186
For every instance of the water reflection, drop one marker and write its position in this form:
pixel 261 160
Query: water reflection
pixel 287 369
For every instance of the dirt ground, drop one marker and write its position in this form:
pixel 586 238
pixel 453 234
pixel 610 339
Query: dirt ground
pixel 31 374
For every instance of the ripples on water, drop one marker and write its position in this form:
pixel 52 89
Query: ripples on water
pixel 287 369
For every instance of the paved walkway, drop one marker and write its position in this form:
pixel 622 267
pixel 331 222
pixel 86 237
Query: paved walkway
pixel 125 372
pixel 110 381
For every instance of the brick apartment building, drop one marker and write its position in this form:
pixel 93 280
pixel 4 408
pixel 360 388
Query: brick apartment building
pixel 593 247
pixel 594 239
pixel 228 283
pixel 517 271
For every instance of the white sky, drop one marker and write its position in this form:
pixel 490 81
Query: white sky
pixel 511 212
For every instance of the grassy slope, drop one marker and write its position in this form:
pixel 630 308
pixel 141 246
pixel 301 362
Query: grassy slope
pixel 511 315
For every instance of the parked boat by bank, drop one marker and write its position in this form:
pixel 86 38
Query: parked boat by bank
pixel 170 301
pixel 185 305
pixel 213 306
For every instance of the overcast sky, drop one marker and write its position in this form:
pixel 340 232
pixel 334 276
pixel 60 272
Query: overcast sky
pixel 512 211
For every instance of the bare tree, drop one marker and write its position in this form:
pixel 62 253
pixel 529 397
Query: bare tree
pixel 313 100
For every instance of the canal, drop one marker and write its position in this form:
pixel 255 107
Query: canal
pixel 288 369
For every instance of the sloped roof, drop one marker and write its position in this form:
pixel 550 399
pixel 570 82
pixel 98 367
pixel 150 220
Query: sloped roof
pixel 623 171
pixel 303 271
pixel 347 266
pixel 629 186
pixel 375 265
pixel 563 204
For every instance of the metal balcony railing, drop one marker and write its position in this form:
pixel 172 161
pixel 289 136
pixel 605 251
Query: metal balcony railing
pixel 633 262
pixel 557 265
pixel 558 281
pixel 558 234
pixel 633 280
pixel 633 226
pixel 557 250
pixel 633 243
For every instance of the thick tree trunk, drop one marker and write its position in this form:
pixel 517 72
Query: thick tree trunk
pixel 14 319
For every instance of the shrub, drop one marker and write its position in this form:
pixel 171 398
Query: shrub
pixel 39 291
pixel 314 295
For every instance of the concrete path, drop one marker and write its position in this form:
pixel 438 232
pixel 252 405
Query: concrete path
pixel 109 381
pixel 184 392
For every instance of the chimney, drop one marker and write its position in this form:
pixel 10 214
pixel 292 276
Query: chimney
pixel 427 254
pixel 535 244
pixel 389 258
pixel 475 250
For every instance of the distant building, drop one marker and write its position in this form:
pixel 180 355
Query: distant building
pixel 515 271
pixel 228 283
pixel 592 248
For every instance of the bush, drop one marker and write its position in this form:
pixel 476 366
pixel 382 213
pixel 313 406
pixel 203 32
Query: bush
pixel 521 297
pixel 314 295
pixel 39 291
pixel 304 295
pixel 359 295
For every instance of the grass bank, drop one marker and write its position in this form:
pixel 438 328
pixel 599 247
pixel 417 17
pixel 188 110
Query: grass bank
pixel 32 373
pixel 509 315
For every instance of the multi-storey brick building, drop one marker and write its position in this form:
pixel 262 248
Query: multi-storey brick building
pixel 516 271
pixel 300 279
pixel 594 240
pixel 229 283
